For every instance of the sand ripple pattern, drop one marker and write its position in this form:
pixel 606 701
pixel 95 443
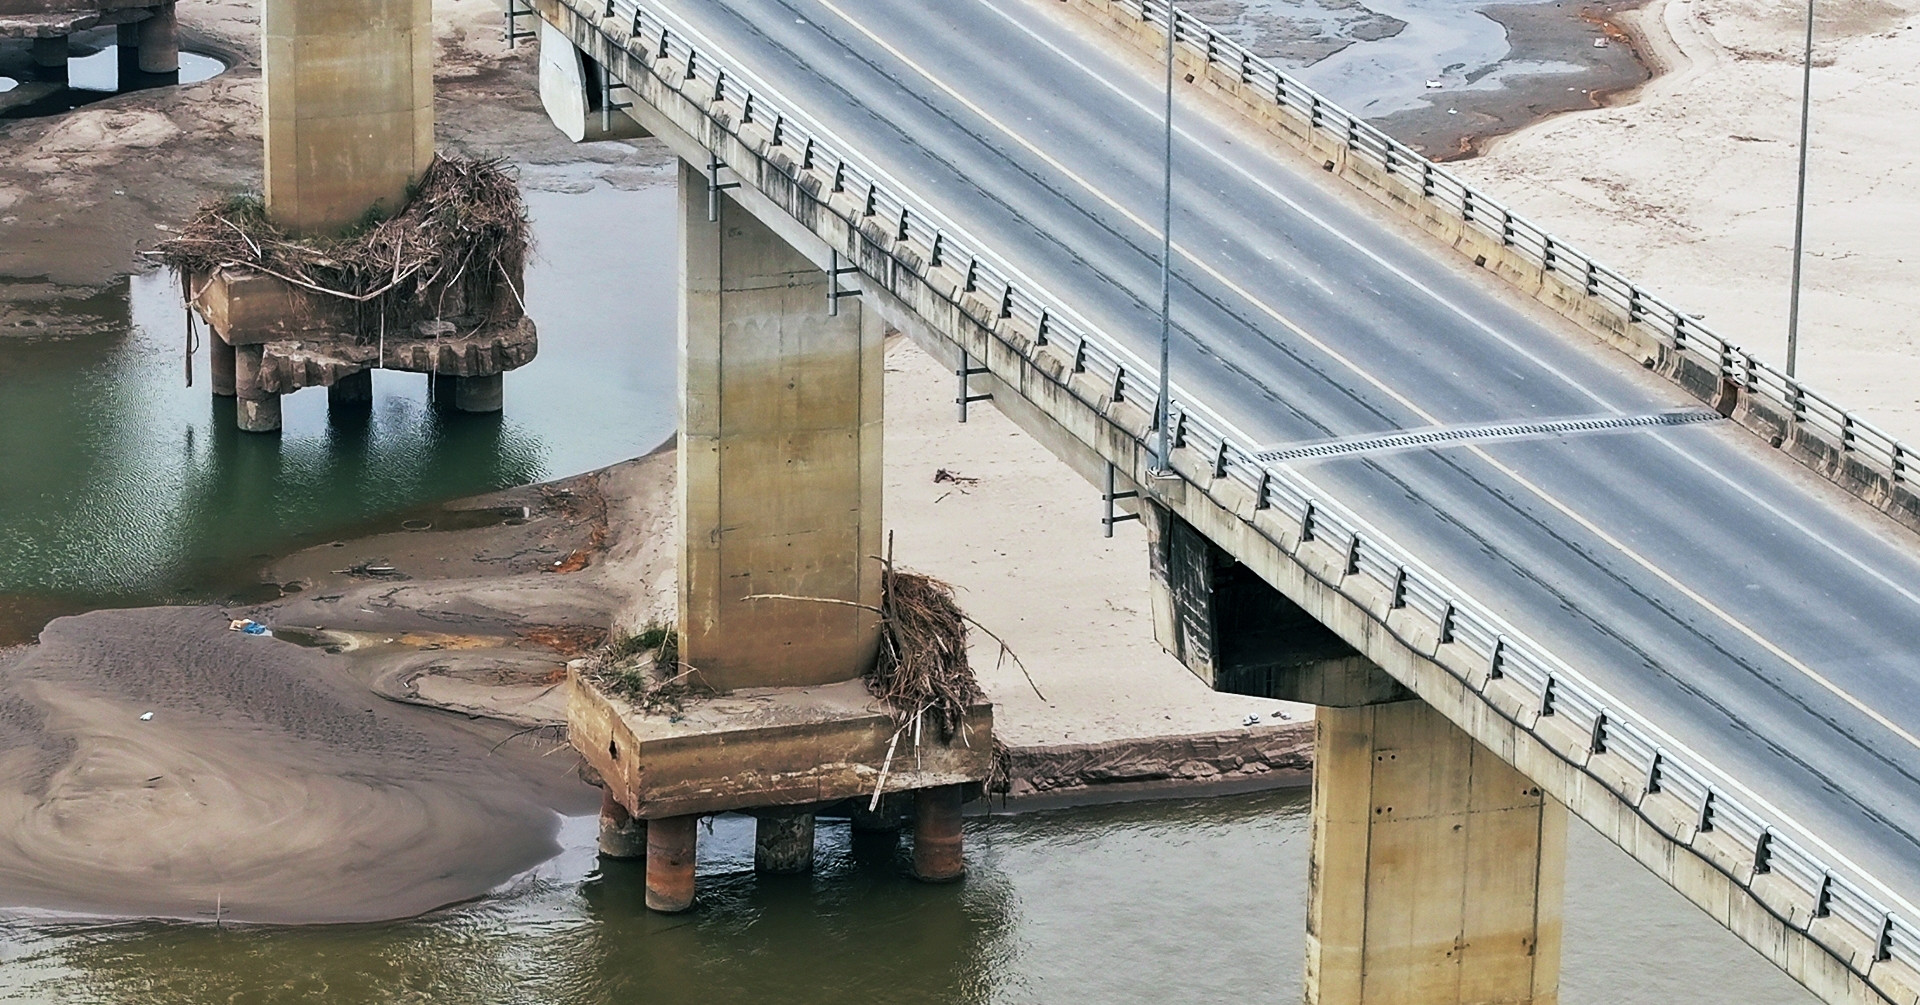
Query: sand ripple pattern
pixel 268 783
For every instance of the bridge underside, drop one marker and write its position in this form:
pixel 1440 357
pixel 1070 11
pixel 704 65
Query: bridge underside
pixel 1495 766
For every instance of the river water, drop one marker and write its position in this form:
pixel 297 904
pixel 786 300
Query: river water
pixel 1179 901
pixel 122 485
pixel 126 486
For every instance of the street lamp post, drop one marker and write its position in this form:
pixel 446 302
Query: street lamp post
pixel 1163 419
pixel 1800 199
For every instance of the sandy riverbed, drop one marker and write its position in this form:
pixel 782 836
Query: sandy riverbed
pixel 1689 187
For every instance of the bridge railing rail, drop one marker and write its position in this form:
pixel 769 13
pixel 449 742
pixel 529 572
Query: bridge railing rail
pixel 1523 681
pixel 1681 332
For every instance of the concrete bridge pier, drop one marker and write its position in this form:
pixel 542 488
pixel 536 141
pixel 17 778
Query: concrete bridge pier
pixel 258 410
pixel 1437 868
pixel 50 57
pixel 783 842
pixel 672 846
pixel 780 469
pixel 220 364
pixel 482 393
pixel 779 499
pixel 158 40
pixel 937 854
pixel 349 116
pixel 351 397
pixel 622 835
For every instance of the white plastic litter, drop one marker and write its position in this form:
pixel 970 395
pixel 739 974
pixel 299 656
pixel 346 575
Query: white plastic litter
pixel 146 717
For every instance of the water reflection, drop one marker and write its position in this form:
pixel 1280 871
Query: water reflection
pixel 91 73
pixel 1182 901
pixel 126 486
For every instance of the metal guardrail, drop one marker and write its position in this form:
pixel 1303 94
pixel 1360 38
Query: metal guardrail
pixel 1520 670
pixel 1680 331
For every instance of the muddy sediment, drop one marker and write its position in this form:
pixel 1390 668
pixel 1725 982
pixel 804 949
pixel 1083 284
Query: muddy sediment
pixel 1554 66
pixel 160 765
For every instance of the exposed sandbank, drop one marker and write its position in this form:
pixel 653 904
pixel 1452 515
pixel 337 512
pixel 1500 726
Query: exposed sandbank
pixel 1690 187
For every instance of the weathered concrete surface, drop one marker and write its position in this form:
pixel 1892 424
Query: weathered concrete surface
pixel 307 339
pixel 572 92
pixel 349 96
pixel 1284 753
pixel 1437 868
pixel 763 748
pixel 1240 635
pixel 1074 414
pixel 158 39
pixel 780 459
pixel 783 843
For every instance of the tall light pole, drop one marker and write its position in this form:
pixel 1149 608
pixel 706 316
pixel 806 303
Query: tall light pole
pixel 1800 200
pixel 1163 451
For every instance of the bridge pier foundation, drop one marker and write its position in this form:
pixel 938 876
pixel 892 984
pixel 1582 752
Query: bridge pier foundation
pixel 50 57
pixel 937 853
pixel 779 498
pixel 220 364
pixel 351 396
pixel 1437 868
pixel 483 393
pixel 158 39
pixel 672 845
pixel 783 842
pixel 622 835
pixel 258 411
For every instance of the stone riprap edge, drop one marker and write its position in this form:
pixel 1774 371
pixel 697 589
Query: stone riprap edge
pixel 1528 705
pixel 1187 759
pixel 1840 445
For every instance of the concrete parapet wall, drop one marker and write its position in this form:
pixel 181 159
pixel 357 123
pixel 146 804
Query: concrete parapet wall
pixel 1078 416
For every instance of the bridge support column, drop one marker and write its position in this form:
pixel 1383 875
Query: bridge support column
pixel 783 842
pixel 50 56
pixel 159 41
pixel 485 393
pixel 1242 636
pixel 622 835
pixel 672 845
pixel 937 854
pixel 780 476
pixel 258 411
pixel 1437 868
pixel 351 396
pixel 220 364
pixel 349 96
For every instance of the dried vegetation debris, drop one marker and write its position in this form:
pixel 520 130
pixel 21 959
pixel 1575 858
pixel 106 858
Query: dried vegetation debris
pixel 644 667
pixel 922 666
pixel 464 227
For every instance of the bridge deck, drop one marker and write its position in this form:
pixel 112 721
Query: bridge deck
pixel 1761 618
